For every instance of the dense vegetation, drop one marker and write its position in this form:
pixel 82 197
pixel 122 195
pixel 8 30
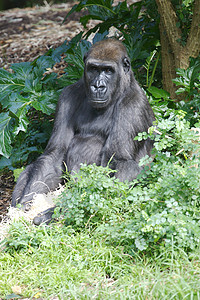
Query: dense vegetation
pixel 113 240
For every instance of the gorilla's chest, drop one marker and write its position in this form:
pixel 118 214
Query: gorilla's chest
pixel 94 123
pixel 90 135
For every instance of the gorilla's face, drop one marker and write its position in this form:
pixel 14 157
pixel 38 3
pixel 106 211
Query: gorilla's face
pixel 101 79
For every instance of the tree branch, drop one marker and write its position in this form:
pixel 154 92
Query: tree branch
pixel 193 42
pixel 168 66
pixel 169 19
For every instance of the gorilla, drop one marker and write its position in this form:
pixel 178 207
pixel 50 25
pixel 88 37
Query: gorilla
pixel 96 121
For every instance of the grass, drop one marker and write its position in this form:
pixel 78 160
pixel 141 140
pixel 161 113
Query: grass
pixel 62 264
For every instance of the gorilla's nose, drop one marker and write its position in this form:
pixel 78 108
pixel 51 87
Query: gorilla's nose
pixel 99 85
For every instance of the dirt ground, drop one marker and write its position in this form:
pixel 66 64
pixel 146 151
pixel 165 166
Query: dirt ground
pixel 24 35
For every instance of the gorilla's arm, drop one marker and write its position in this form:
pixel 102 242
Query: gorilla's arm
pixel 44 174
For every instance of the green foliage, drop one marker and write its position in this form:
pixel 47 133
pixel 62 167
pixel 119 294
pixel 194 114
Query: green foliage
pixel 28 94
pixel 147 66
pixel 138 27
pixel 160 207
pixel 189 84
pixel 74 54
pixel 25 88
pixel 184 12
pixel 112 221
pixel 91 196
pixel 27 145
pixel 163 106
pixel 23 237
pixel 17 172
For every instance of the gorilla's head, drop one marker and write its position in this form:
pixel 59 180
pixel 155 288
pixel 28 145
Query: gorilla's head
pixel 107 72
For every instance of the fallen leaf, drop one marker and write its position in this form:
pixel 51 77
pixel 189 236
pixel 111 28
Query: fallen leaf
pixel 16 289
pixel 37 295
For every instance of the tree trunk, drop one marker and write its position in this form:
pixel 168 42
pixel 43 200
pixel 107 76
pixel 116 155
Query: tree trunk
pixel 174 55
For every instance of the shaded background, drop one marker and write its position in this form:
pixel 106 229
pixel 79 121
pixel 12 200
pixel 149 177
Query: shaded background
pixel 7 4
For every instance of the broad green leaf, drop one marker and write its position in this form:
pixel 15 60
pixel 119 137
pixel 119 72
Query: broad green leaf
pixel 22 125
pixel 44 62
pixel 56 53
pixel 15 101
pixel 5 162
pixel 99 36
pixel 9 84
pixel 5 135
pixel 44 102
pixel 22 70
pixel 158 93
pixel 49 78
pixel 22 121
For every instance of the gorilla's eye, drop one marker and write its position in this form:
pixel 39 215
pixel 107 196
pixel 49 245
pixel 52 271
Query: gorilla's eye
pixel 92 68
pixel 109 70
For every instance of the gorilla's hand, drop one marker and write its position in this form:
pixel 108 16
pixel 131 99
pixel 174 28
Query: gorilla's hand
pixel 44 217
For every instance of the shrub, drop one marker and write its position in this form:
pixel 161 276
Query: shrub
pixel 189 84
pixel 160 207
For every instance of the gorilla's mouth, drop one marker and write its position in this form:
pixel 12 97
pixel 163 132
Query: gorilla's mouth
pixel 98 101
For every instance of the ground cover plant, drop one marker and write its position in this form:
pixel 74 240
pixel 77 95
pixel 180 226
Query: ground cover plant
pixel 70 265
pixel 113 240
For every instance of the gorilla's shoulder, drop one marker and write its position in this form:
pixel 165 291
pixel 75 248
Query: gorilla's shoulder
pixel 74 88
pixel 72 93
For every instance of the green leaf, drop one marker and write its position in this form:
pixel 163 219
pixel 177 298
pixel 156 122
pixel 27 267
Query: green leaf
pixel 100 36
pixel 15 102
pixel 5 135
pixel 158 93
pixel 22 70
pixel 42 63
pixel 9 84
pixel 44 102
pixel 22 123
pixel 5 163
pixel 56 53
pixel 17 172
pixel 74 59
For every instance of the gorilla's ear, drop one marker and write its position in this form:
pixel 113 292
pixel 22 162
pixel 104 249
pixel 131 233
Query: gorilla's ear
pixel 126 64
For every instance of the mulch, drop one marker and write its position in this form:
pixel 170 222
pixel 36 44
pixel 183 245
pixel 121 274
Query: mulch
pixel 27 33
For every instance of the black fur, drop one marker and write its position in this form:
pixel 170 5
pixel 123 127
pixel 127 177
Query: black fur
pixel 93 124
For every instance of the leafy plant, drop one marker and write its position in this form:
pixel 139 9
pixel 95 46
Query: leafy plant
pixel 189 84
pixel 138 27
pixel 90 196
pixel 26 88
pixel 150 79
pixel 184 11
pixel 160 206
pixel 23 237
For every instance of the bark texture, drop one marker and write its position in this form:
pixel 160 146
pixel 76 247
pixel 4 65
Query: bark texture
pixel 174 55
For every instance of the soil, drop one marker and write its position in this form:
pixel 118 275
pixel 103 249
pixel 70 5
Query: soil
pixel 24 35
pixel 30 32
